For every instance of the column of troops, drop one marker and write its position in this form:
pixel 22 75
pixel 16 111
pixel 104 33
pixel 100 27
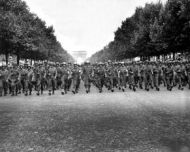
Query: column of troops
pixel 66 77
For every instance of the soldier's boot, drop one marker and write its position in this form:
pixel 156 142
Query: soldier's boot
pixel 167 87
pixel 112 89
pixel 147 88
pixel 73 91
pixel 63 92
pixel 12 92
pixel 38 93
pixel 87 90
pixel 170 88
pixel 123 89
pixel 134 88
pixel 151 86
pixel 130 87
pixel 76 90
pixel 16 92
pixel 49 93
pixel 26 93
pixel 157 89
pixel 53 91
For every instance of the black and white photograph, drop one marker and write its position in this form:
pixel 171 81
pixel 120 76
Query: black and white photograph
pixel 94 75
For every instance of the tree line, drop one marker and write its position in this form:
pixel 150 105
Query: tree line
pixel 154 30
pixel 25 35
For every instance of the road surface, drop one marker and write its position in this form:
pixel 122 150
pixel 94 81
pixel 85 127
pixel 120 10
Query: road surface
pixel 112 122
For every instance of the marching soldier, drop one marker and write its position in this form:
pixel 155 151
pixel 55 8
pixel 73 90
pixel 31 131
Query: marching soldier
pixel 1 81
pixel 188 73
pixel 64 78
pixel 169 77
pixel 13 80
pixel 75 79
pixel 110 76
pixel 156 76
pixel 51 78
pixel 86 76
pixel 122 76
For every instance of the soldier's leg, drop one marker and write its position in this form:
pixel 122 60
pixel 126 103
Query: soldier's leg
pixel 78 85
pixel 85 79
pixel 38 85
pixel 169 82
pixel 69 84
pixel 74 85
pixel 119 82
pixel 115 82
pixel 156 82
pixel 122 83
pixel 5 87
pixel 30 86
pixel 100 84
pixel 25 87
pixel 13 89
pixel 174 80
pixel 1 91
pixel 141 82
pixel 146 86
pixel 133 83
pixel 164 80
pixel 49 86
pixel 136 79
pixel 42 85
pixel 89 85
pixel 53 85
pixel 151 81
pixel 188 77
pixel 1 87
pixel 62 85
pixel 129 82
pixel 111 84
pixel 179 82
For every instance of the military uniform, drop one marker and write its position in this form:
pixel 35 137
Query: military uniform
pixel 51 78
pixel 156 77
pixel 1 82
pixel 188 74
pixel 13 80
pixel 86 76
pixel 64 79
pixel 75 79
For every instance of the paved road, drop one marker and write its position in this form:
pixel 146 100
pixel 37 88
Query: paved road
pixel 130 121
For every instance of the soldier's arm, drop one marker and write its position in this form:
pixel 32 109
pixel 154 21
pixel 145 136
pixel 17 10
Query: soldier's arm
pixel 56 73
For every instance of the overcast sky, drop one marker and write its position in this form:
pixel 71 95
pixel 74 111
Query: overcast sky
pixel 86 25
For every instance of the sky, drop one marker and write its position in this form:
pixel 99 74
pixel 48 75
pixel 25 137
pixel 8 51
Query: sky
pixel 85 25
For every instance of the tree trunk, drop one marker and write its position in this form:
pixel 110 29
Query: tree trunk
pixel 31 62
pixel 18 59
pixel 7 58
pixel 173 56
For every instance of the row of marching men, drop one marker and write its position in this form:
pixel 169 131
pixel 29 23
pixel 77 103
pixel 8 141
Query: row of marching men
pixel 66 77
pixel 143 75
pixel 15 79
